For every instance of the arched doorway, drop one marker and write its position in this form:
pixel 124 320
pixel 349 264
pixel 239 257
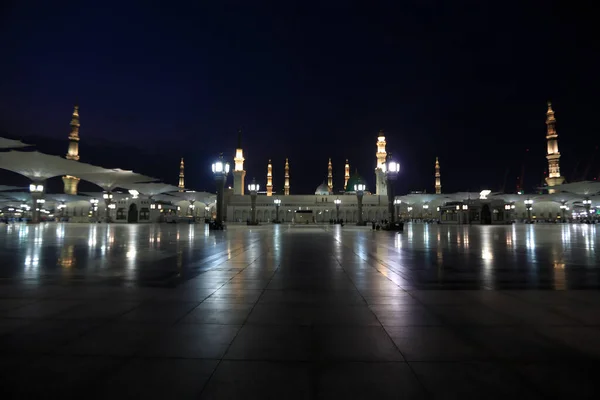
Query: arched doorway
pixel 486 215
pixel 132 215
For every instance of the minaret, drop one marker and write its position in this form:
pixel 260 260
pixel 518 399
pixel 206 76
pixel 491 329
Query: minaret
pixel 554 178
pixel 239 175
pixel 438 181
pixel 346 174
pixel 269 179
pixel 71 182
pixel 286 184
pixel 380 183
pixel 181 176
pixel 330 177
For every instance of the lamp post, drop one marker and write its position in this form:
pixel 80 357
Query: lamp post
pixel 37 192
pixel 206 210
pixel 529 207
pixel 220 170
pixel 94 203
pixel 563 211
pixel 391 172
pixel 587 203
pixel 337 209
pixel 397 203
pixel 277 202
pixel 61 210
pixel 465 208
pixel 253 188
pixel 359 188
pixel 426 208
pixel 107 196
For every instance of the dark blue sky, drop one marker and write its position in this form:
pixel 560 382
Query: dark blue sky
pixel 468 83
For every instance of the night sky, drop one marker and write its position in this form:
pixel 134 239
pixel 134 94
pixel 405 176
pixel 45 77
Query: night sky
pixel 467 81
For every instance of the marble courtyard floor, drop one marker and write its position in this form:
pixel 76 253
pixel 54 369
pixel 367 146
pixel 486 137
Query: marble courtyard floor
pixel 284 312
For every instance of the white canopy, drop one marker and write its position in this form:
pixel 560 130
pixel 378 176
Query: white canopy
pixel 152 189
pixel 114 178
pixel 39 166
pixel 11 144
pixel 192 196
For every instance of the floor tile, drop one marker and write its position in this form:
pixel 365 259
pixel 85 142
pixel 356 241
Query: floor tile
pixel 273 343
pixel 161 312
pixel 114 339
pixel 434 343
pixel 191 341
pixel 457 380
pixel 372 380
pixel 41 309
pixel 259 380
pixel 159 378
pixel 354 344
pixel 61 376
pixel 99 309
pixel 44 336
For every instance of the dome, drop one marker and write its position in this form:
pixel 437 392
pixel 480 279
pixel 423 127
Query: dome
pixel 322 190
pixel 353 180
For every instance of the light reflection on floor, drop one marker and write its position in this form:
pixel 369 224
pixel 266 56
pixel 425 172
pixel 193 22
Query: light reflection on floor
pixel 423 256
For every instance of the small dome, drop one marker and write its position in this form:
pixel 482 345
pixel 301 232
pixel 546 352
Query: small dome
pixel 322 190
pixel 353 180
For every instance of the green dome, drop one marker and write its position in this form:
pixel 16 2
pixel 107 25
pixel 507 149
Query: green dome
pixel 353 180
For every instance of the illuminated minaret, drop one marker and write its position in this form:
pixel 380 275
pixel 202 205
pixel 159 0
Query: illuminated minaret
pixel 181 176
pixel 330 176
pixel 269 179
pixel 286 184
pixel 346 174
pixel 71 182
pixel 380 183
pixel 553 155
pixel 438 181
pixel 239 175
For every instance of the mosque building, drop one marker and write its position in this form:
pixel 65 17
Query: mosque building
pixel 319 207
pixel 130 197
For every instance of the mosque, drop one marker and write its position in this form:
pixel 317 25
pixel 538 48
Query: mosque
pixel 127 196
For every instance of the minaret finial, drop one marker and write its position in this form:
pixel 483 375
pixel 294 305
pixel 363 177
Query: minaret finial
pixel 286 183
pixel 381 157
pixel 438 181
pixel 239 174
pixel 181 176
pixel 346 174
pixel 269 178
pixel 330 176
pixel 71 182
pixel 552 154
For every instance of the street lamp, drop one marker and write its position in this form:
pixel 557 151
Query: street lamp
pixel 206 210
pixel 529 207
pixel 337 209
pixel 253 188
pixel 94 203
pixel 220 169
pixel 587 204
pixel 360 188
pixel 564 208
pixel 107 196
pixel 37 192
pixel 391 172
pixel 397 203
pixel 277 202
